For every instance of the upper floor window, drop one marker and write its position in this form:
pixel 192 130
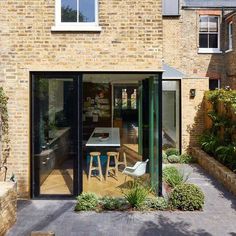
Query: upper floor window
pixel 230 35
pixel 81 15
pixel 209 34
pixel 170 7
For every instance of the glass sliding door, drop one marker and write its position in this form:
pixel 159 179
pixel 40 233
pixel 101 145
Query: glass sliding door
pixel 140 118
pixel 155 132
pixel 54 135
pixel 151 123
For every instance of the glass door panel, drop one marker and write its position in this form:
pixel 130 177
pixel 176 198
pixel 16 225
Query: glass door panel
pixel 140 118
pixel 171 114
pixel 155 132
pixel 151 122
pixel 54 135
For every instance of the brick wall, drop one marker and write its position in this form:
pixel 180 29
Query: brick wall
pixel 192 111
pixel 8 198
pixel 131 39
pixel 180 46
pixel 223 174
pixel 230 58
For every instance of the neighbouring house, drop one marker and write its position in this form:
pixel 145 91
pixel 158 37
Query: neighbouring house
pixel 107 76
pixel 229 27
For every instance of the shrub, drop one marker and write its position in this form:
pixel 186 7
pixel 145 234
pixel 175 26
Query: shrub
pixel 136 194
pixel 173 158
pixel 172 151
pixel 112 203
pixel 186 159
pixel 187 197
pixel 158 203
pixel 227 154
pixel 172 176
pixel 164 157
pixel 209 142
pixel 86 202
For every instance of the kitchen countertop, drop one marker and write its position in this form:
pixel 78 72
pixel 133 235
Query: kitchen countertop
pixel 112 141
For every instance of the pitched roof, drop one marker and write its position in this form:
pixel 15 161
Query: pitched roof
pixel 210 3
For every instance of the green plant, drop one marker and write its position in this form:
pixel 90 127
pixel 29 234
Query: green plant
pixel 112 203
pixel 136 194
pixel 86 202
pixel 228 97
pixel 158 203
pixel 219 141
pixel 209 142
pixel 227 155
pixel 4 126
pixel 172 151
pixel 164 157
pixel 186 159
pixel 173 158
pixel 187 197
pixel 172 176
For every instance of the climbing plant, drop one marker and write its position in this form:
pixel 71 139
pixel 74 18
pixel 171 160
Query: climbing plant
pixel 4 125
pixel 219 139
pixel 226 96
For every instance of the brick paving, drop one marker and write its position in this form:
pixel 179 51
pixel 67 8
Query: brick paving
pixel 217 218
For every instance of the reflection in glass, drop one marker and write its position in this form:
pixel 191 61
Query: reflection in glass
pixel 213 41
pixel 69 10
pixel 170 114
pixel 213 24
pixel 124 99
pixel 54 135
pixel 203 40
pixel 203 24
pixel 86 10
pixel 126 112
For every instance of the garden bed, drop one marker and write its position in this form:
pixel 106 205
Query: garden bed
pixel 139 196
pixel 223 174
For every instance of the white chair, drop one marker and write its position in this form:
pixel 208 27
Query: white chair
pixel 137 170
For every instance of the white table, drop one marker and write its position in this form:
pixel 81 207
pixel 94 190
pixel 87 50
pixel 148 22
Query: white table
pixel 112 141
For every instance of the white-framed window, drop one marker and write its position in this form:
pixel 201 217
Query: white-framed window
pixel 230 35
pixel 209 34
pixel 76 15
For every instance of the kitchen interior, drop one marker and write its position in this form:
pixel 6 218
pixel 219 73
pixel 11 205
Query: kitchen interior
pixel 110 107
pixel 109 123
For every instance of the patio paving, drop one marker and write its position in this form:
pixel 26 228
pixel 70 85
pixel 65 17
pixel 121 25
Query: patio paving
pixel 217 218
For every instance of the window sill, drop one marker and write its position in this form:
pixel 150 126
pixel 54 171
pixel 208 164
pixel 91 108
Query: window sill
pixel 76 28
pixel 209 50
pixel 229 50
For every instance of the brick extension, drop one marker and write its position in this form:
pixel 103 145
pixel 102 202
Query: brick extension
pixel 134 37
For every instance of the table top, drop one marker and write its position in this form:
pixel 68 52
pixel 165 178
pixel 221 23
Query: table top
pixel 113 139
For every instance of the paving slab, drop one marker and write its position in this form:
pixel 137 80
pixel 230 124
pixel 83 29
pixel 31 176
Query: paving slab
pixel 218 217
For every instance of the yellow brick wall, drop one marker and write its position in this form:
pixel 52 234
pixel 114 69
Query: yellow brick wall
pixel 180 47
pixel 230 60
pixel 192 112
pixel 130 40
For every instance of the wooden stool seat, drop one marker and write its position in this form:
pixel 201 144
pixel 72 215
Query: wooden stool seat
pixel 95 153
pixel 115 155
pixel 112 154
pixel 92 167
